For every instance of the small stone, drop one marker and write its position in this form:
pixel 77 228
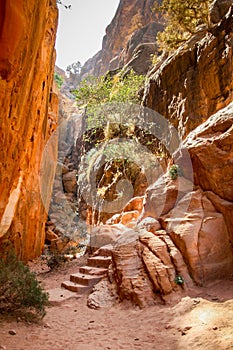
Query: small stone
pixel 168 326
pixel 12 332
pixel 215 328
pixel 2 347
pixel 47 325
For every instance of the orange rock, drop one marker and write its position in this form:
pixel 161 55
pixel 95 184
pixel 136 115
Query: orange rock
pixel 50 235
pixel 135 203
pixel 196 81
pixel 162 196
pixel 201 236
pixel 132 281
pixel 115 219
pixel 129 216
pixel 28 117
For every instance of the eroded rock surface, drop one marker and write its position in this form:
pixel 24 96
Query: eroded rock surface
pixel 134 23
pixel 28 117
pixel 196 81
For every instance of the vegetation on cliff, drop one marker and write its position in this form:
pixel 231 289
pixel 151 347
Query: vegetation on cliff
pixel 183 19
pixel 95 92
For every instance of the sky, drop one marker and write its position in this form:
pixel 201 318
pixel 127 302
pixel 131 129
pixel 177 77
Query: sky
pixel 81 29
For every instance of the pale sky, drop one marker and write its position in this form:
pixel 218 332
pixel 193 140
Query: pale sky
pixel 81 29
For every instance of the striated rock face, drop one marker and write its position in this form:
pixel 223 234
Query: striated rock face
pixel 211 150
pixel 201 235
pixel 185 229
pixel 28 117
pixel 145 265
pixel 134 24
pixel 196 81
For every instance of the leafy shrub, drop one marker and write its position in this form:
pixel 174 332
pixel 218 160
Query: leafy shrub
pixel 55 259
pixel 19 289
pixel 175 171
pixel 179 280
pixel 183 19
pixel 58 80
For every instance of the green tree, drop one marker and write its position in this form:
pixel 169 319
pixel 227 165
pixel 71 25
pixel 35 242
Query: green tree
pixel 183 19
pixel 74 68
pixel 94 91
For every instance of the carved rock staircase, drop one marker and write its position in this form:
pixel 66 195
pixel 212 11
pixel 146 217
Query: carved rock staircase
pixel 92 273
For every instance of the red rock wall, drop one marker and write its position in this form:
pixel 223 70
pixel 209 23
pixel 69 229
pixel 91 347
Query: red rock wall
pixel 196 81
pixel 134 23
pixel 28 116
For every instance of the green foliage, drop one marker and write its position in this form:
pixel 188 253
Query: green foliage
pixel 175 171
pixel 54 260
pixel 19 288
pixel 74 68
pixel 93 93
pixel 179 280
pixel 183 18
pixel 58 80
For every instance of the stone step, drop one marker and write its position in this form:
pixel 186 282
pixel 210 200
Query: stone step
pixel 99 261
pixel 86 280
pixel 75 287
pixel 90 270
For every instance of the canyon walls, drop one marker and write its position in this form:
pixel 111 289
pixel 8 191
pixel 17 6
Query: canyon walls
pixel 196 81
pixel 133 24
pixel 183 236
pixel 28 117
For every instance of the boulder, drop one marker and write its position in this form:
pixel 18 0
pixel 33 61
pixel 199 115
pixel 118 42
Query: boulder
pixel 105 234
pixel 145 267
pixel 128 217
pixel 200 234
pixel 162 196
pixel 210 147
pixel 135 203
pixel 150 224
pixel 70 182
pixel 129 272
pixel 50 235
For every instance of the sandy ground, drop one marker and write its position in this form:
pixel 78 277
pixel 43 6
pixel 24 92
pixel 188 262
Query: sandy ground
pixel 201 321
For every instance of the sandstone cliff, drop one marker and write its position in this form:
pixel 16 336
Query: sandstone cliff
pixel 183 236
pixel 134 23
pixel 28 117
pixel 196 81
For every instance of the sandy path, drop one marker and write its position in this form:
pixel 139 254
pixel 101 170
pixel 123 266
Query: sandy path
pixel 73 326
pixel 200 322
